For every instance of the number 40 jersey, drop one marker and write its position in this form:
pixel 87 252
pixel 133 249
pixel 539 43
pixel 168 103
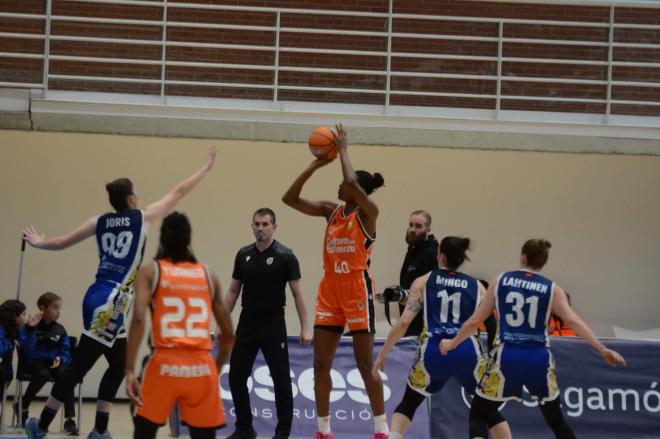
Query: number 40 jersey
pixel 120 237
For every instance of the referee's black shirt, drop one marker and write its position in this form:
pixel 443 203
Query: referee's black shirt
pixel 264 276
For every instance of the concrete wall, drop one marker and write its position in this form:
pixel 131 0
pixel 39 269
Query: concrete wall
pixel 601 212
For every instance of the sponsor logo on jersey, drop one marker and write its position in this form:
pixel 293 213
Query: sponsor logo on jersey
pixel 179 371
pixel 269 261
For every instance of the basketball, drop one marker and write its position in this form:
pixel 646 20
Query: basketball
pixel 322 143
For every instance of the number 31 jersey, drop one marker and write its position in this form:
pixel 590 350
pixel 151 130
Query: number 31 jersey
pixel 120 238
pixel 450 298
pixel 181 306
pixel 524 300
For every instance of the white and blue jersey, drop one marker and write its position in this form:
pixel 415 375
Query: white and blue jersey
pixel 121 238
pixel 523 299
pixel 522 358
pixel 450 298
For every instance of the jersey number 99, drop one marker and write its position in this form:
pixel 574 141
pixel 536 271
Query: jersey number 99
pixel 117 246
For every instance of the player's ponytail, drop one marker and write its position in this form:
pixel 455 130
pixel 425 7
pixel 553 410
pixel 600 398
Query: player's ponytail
pixel 537 252
pixel 175 237
pixel 118 192
pixel 455 249
pixel 369 183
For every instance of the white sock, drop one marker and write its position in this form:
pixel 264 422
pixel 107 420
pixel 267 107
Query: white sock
pixel 395 435
pixel 380 424
pixel 324 424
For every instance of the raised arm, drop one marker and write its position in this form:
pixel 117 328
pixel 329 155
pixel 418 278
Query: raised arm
pixel 136 331
pixel 305 331
pixel 37 240
pixel 313 208
pixel 561 308
pixel 367 206
pixel 414 305
pixel 161 208
pixel 471 326
pixel 223 319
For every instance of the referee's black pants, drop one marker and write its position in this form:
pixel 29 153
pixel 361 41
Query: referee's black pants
pixel 270 336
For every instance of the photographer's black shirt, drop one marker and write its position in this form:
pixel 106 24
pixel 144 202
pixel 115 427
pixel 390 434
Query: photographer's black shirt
pixel 419 260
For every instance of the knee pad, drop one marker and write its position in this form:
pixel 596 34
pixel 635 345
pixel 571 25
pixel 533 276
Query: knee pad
pixel 409 403
pixel 484 414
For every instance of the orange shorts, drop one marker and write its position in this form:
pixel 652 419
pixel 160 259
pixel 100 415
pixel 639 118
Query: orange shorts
pixel 346 299
pixel 186 376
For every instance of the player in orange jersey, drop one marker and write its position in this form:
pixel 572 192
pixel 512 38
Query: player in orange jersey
pixel 345 295
pixel 182 294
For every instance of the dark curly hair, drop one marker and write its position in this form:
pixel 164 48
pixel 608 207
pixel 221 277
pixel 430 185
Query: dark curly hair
pixel 175 236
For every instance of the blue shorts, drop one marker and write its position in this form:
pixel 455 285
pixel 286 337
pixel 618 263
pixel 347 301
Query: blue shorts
pixel 431 370
pixel 510 368
pixel 104 311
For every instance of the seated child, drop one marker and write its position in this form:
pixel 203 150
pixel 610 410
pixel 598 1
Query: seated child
pixel 46 352
pixel 12 317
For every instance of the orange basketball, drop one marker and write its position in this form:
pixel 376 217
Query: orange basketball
pixel 322 143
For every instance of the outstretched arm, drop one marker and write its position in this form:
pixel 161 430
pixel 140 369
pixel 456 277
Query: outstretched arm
pixel 136 331
pixel 313 208
pixel 36 240
pixel 471 326
pixel 414 305
pixel 223 319
pixel 561 308
pixel 161 208
pixel 367 206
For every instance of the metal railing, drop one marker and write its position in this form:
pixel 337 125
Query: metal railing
pixel 388 73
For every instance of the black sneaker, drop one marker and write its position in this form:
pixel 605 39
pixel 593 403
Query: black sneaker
pixel 243 434
pixel 70 427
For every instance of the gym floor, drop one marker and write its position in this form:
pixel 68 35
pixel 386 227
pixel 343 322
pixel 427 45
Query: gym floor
pixel 121 425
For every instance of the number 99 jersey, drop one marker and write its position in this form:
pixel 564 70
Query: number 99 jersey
pixel 120 237
pixel 523 300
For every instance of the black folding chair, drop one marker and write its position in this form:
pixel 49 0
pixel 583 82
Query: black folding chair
pixel 24 375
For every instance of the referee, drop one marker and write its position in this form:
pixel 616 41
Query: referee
pixel 261 271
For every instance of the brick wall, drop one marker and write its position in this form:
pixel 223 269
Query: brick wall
pixel 435 63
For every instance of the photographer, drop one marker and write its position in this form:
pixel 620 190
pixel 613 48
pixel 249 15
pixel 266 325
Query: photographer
pixel 421 257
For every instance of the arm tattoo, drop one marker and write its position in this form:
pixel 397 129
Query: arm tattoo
pixel 414 304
